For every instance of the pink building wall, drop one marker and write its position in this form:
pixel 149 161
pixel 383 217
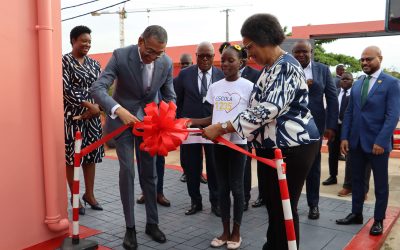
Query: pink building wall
pixel 22 183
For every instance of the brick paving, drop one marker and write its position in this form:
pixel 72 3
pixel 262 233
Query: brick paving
pixel 196 231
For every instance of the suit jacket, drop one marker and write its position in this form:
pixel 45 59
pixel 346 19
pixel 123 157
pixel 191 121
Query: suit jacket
pixel 189 100
pixel 323 84
pixel 251 74
pixel 375 121
pixel 125 66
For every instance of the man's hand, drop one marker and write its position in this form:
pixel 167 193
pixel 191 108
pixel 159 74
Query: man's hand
pixel 330 134
pixel 125 116
pixel 377 150
pixel 93 110
pixel 213 131
pixel 344 147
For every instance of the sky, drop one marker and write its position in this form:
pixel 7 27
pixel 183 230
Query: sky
pixel 193 26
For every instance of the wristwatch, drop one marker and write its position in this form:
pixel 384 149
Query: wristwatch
pixel 224 126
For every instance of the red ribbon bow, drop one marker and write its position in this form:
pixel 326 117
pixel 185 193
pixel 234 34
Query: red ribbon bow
pixel 160 130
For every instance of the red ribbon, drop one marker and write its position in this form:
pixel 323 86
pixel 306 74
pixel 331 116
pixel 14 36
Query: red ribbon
pixel 163 133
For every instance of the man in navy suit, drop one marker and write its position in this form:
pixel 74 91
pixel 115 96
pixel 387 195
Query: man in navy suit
pixel 369 122
pixel 320 83
pixel 191 87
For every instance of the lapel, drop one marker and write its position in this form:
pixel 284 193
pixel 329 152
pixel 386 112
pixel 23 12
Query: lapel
pixel 245 72
pixel 314 69
pixel 195 82
pixel 356 91
pixel 135 67
pixel 376 85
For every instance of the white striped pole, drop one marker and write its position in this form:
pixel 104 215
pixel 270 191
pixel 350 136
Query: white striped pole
pixel 75 189
pixel 287 209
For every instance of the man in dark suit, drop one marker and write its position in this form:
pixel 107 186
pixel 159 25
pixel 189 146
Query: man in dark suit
pixel 320 83
pixel 345 82
pixel 191 87
pixel 368 125
pixel 339 72
pixel 142 71
pixel 252 75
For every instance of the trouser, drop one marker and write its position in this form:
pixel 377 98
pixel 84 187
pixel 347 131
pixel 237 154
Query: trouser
pixel 160 168
pixel 313 180
pixel 298 163
pixel 230 166
pixel 125 145
pixel 193 161
pixel 347 175
pixel 334 153
pixel 247 177
pixel 379 165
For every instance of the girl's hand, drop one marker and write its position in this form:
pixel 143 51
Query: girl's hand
pixel 213 131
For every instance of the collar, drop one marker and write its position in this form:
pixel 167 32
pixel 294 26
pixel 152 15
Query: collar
pixel 376 74
pixel 308 66
pixel 201 72
pixel 348 90
pixel 241 70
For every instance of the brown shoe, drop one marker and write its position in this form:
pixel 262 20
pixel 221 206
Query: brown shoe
pixel 163 201
pixel 344 192
pixel 140 200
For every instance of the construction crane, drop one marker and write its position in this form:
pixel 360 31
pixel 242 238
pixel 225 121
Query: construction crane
pixel 122 16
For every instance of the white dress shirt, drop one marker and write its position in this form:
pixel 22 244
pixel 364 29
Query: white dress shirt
pixel 200 75
pixel 373 79
pixel 308 71
pixel 340 99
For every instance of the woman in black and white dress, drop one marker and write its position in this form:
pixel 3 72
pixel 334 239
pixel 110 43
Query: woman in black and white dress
pixel 80 111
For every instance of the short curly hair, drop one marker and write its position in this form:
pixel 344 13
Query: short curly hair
pixel 77 31
pixel 263 29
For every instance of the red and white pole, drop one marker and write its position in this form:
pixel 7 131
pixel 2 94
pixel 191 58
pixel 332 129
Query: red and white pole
pixel 75 189
pixel 287 209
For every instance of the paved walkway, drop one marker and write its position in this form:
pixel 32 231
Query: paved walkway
pixel 196 231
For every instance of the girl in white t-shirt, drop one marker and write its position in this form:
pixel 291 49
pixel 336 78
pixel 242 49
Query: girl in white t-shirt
pixel 229 97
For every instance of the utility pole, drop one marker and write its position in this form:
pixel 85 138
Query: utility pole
pixel 227 23
pixel 122 17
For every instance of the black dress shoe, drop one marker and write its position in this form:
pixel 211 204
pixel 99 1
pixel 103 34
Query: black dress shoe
pixel 258 203
pixel 194 209
pixel 330 181
pixel 246 206
pixel 313 213
pixel 183 177
pixel 202 179
pixel 130 241
pixel 377 228
pixel 155 233
pixel 216 210
pixel 351 219
pixel 96 206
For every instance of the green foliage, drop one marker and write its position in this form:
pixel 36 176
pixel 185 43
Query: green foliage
pixel 320 55
pixel 392 72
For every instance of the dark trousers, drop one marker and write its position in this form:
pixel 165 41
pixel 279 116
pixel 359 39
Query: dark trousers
pixel 334 152
pixel 230 166
pixel 125 144
pixel 313 180
pixel 182 160
pixel 298 163
pixel 247 177
pixel 347 175
pixel 379 165
pixel 193 162
pixel 160 164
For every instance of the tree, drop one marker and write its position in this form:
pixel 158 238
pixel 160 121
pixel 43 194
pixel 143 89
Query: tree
pixel 320 55
pixel 392 72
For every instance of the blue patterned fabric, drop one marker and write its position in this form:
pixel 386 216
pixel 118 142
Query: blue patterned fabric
pixel 278 115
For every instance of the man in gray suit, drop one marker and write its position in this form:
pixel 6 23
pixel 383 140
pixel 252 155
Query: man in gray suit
pixel 141 71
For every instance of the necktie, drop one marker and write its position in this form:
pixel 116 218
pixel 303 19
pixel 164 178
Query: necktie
pixel 203 90
pixel 364 91
pixel 343 105
pixel 145 77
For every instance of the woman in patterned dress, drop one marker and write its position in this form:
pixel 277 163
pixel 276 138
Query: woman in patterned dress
pixel 80 111
pixel 277 117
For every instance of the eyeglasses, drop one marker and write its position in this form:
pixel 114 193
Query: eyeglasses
pixel 248 46
pixel 367 59
pixel 152 52
pixel 206 56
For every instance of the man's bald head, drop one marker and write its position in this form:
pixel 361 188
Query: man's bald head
pixel 371 59
pixel 185 60
pixel 205 56
pixel 302 52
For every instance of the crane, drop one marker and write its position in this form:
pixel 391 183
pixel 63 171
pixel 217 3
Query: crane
pixel 122 16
